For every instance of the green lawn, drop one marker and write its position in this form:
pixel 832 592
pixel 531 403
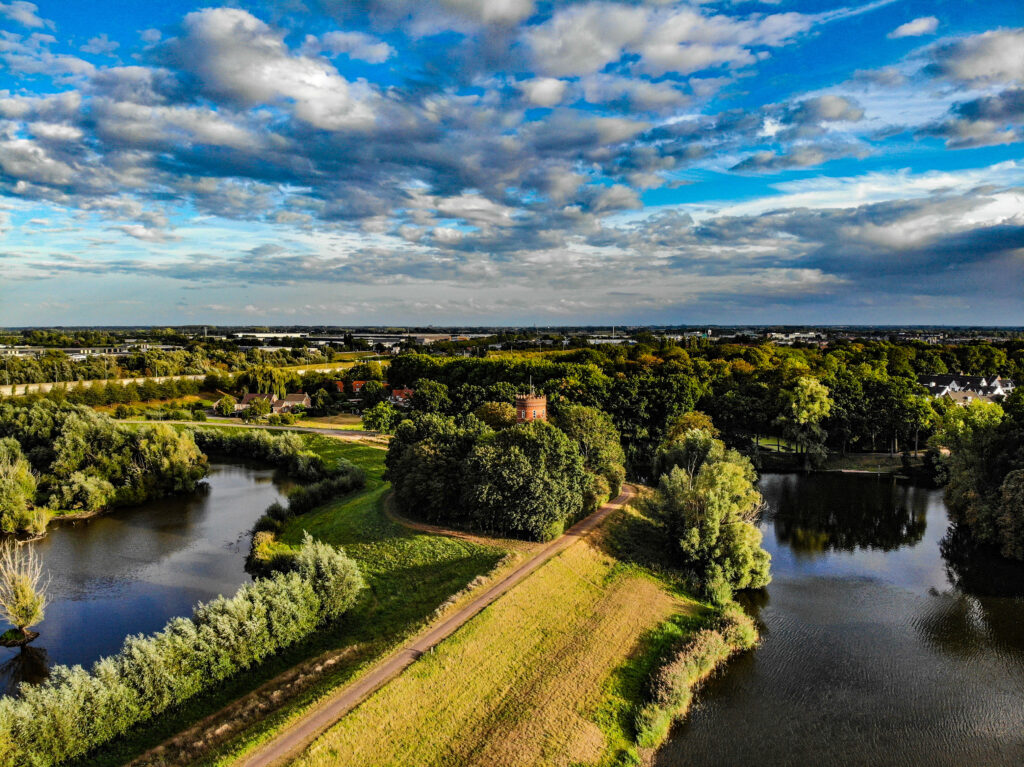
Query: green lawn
pixel 408 576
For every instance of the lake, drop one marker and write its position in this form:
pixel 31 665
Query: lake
pixel 129 571
pixel 882 644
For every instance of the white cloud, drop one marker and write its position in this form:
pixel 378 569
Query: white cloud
pixel 27 161
pixel 543 91
pixel 991 57
pixel 926 25
pixel 582 39
pixel 492 11
pixel 355 45
pixel 238 56
pixel 24 13
pixel 101 45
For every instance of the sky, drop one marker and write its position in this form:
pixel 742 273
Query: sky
pixel 478 162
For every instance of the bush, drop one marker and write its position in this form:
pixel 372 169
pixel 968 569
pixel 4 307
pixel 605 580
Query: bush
pixel 336 578
pixel 87 461
pixel 75 710
pixel 670 686
pixel 285 451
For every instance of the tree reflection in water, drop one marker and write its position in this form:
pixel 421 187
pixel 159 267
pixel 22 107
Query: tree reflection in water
pixel 818 513
pixel 979 570
pixel 29 664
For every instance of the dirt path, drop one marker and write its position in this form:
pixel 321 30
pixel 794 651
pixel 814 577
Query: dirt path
pixel 298 735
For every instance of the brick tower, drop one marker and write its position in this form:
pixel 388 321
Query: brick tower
pixel 531 407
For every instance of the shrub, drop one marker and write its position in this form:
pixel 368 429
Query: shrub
pixel 285 450
pixel 76 710
pixel 670 686
pixel 336 578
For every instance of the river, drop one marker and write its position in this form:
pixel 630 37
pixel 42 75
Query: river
pixel 873 652
pixel 129 571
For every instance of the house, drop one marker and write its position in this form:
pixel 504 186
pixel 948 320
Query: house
pixel 357 386
pixel 248 399
pixel 401 397
pixel 290 401
pixel 964 398
pixel 988 388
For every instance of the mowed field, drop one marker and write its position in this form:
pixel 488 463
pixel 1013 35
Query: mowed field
pixel 524 683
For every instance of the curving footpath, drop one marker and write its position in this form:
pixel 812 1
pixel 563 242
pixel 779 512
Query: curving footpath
pixel 301 733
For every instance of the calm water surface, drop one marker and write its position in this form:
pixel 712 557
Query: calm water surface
pixel 874 650
pixel 128 572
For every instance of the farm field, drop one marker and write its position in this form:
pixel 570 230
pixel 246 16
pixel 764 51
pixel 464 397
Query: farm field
pixel 545 676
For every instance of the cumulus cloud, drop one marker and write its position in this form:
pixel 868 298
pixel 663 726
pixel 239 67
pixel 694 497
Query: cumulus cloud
pixel 439 172
pixel 925 25
pixel 492 11
pixel 236 56
pixel 543 91
pixel 355 45
pixel 101 45
pixel 991 57
pixel 24 13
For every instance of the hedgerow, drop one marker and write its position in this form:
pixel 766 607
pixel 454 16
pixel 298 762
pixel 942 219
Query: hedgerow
pixel 76 710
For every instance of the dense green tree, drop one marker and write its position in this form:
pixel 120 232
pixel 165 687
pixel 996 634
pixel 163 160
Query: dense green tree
pixel 256 409
pixel 382 417
pixel 598 440
pixel 226 405
pixel 431 397
pixel 708 516
pixel 372 393
pixel 497 415
pixel 528 480
pixel 806 406
pixel 17 489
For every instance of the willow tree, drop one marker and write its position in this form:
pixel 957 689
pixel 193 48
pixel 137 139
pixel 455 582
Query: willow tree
pixel 708 505
pixel 22 589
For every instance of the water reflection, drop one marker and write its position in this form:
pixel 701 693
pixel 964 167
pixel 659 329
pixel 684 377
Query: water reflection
pixel 814 514
pixel 29 664
pixel 978 569
pixel 885 641
pixel 130 571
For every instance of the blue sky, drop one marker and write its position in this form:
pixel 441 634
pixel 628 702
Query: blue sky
pixel 512 161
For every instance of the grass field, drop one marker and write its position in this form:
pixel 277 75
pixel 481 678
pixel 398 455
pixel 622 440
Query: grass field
pixel 547 675
pixel 409 575
pixel 346 421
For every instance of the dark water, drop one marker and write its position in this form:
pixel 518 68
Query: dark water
pixel 129 571
pixel 873 650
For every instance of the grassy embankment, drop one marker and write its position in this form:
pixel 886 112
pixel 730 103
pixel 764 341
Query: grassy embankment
pixel 409 575
pixel 553 673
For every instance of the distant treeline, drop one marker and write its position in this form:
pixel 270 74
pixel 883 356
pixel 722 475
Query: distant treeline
pixel 871 399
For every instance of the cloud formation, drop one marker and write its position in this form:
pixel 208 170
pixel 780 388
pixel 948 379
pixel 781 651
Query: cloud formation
pixel 456 146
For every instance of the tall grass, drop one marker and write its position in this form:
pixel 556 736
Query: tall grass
pixel 670 687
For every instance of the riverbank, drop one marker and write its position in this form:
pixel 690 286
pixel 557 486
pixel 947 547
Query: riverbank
pixel 865 463
pixel 564 687
pixel 409 575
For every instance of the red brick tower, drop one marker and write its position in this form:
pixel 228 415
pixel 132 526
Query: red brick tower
pixel 531 407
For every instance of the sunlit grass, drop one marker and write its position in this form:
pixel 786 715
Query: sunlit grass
pixel 408 576
pixel 530 681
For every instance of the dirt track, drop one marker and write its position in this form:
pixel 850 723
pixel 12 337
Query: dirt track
pixel 298 735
